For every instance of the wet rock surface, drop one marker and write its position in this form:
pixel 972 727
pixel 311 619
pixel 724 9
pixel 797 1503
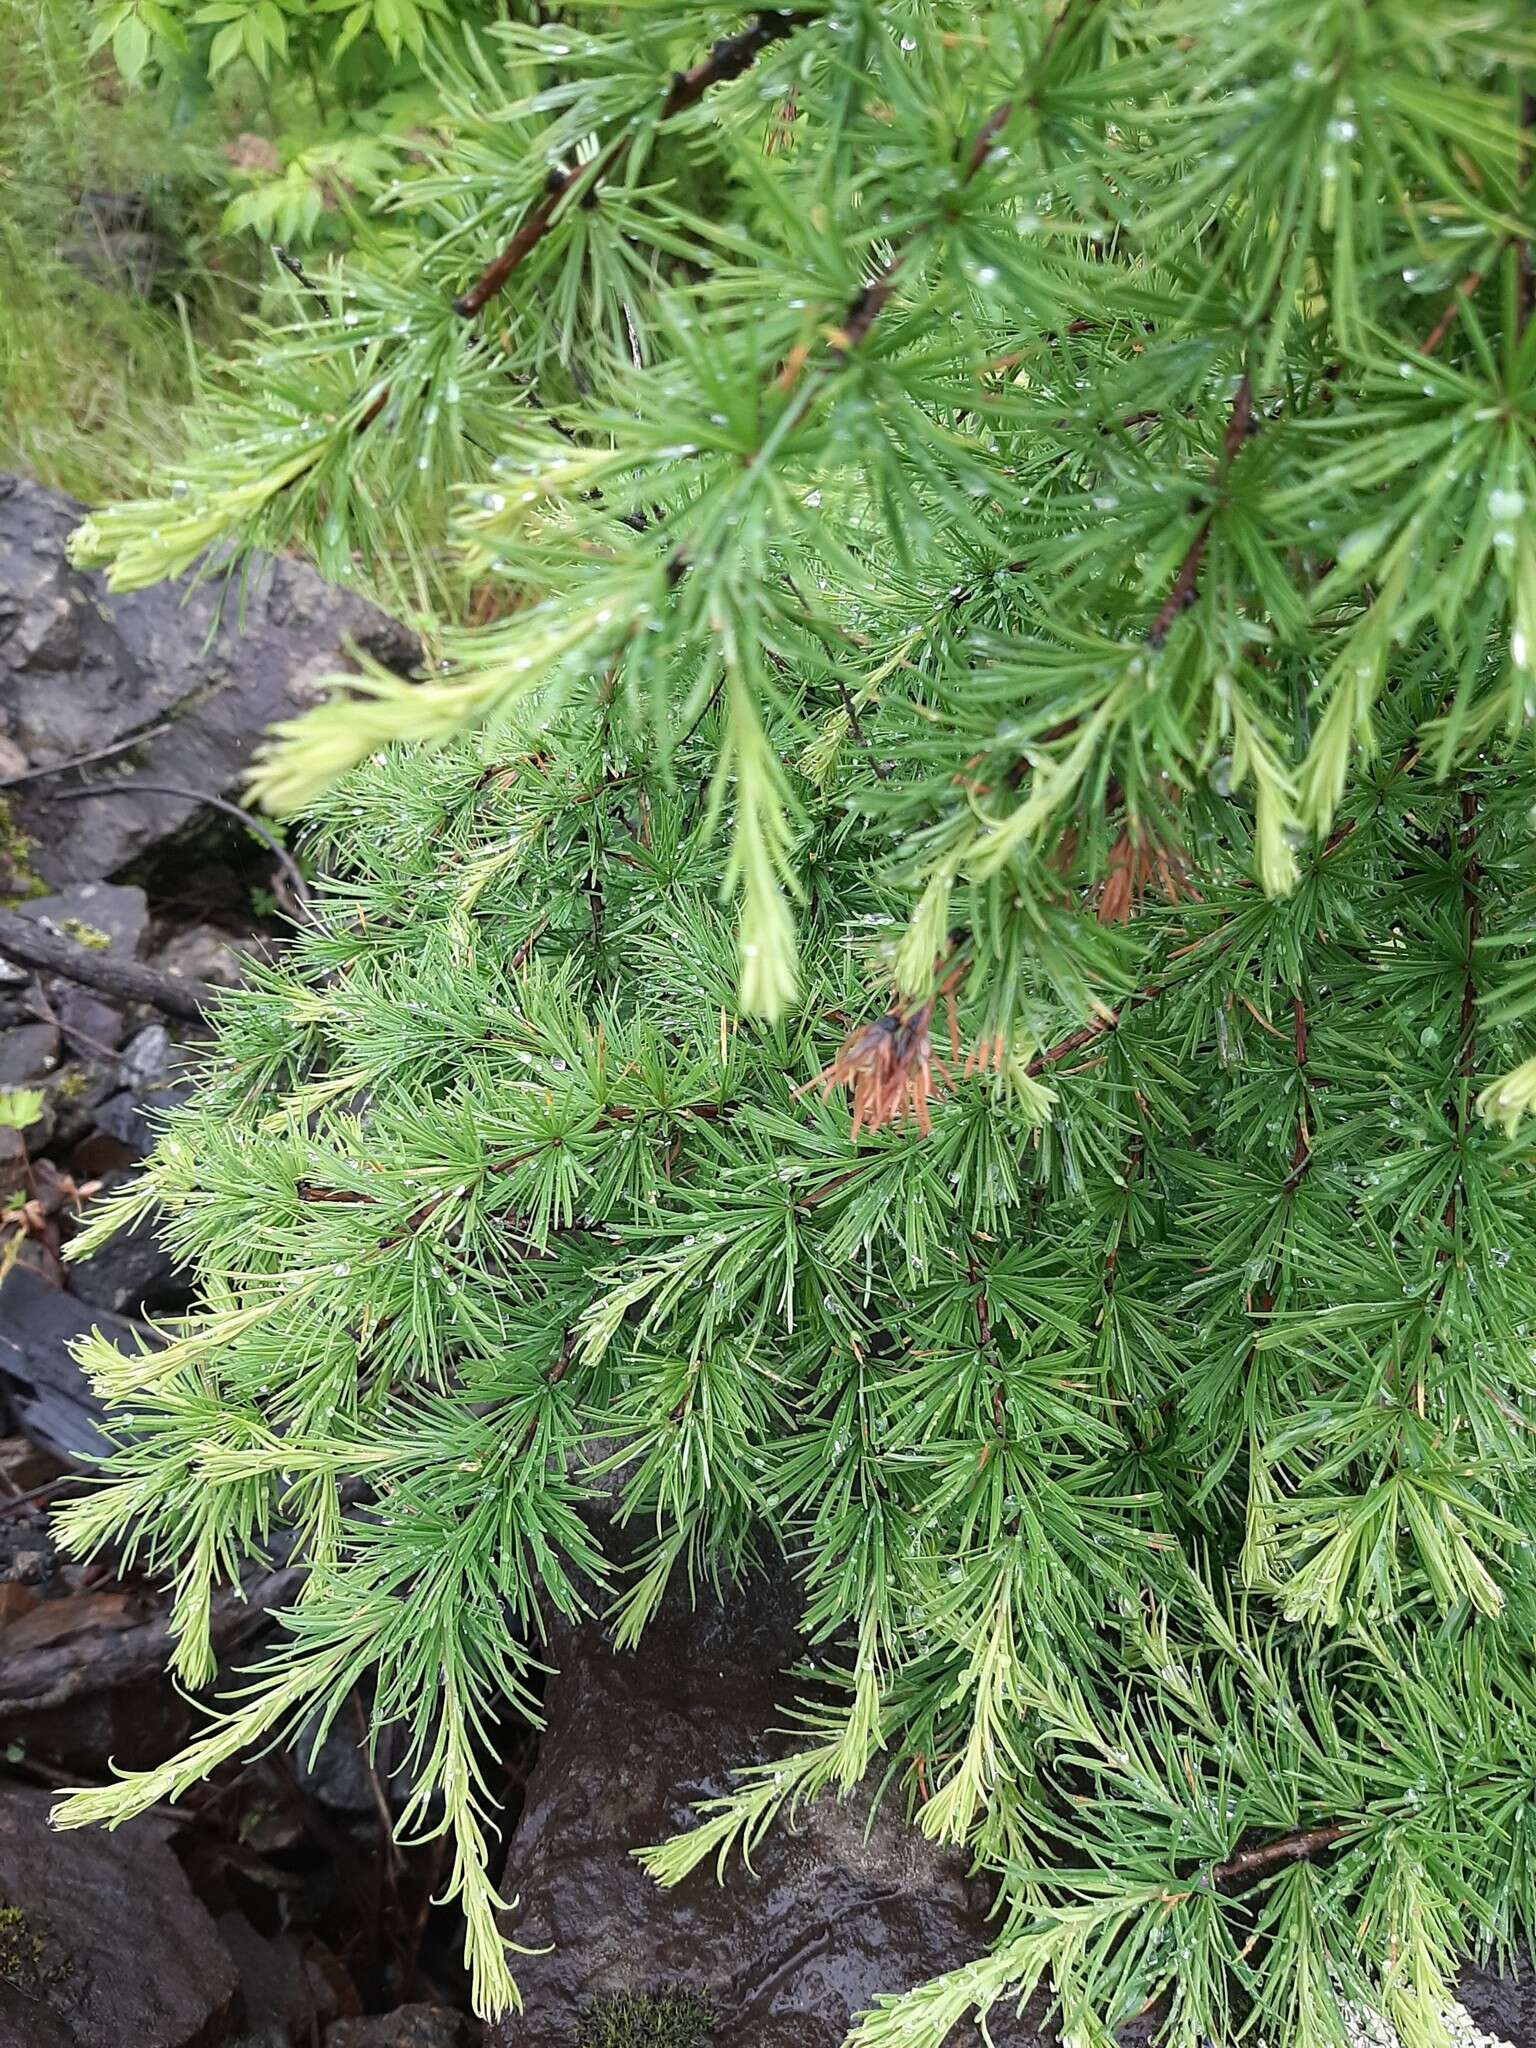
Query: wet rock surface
pixel 204 952
pixel 102 1942
pixel 39 1323
pixel 1502 2008
pixel 785 1957
pixel 28 1053
pixel 106 916
pixel 82 670
pixel 410 2026
pixel 289 1993
pixel 132 1273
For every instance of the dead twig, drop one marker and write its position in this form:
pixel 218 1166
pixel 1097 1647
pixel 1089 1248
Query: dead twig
pixel 30 943
pixel 1292 1848
pixel 134 739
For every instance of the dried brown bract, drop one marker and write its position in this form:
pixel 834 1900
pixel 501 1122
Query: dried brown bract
pixel 890 1068
pixel 1135 865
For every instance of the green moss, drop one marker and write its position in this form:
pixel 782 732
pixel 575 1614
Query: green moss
pixel 85 934
pixel 647 2019
pixel 16 876
pixel 28 1958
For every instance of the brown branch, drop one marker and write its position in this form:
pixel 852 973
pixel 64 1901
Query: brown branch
pixel 1186 584
pixel 375 406
pixel 534 226
pixel 1301 1156
pixel 1086 1034
pixel 1292 1848
pixel 552 1378
pixel 867 307
pixel 1447 320
pixel 871 300
pixel 986 135
pixel 729 58
pixel 52 1674
pixel 32 944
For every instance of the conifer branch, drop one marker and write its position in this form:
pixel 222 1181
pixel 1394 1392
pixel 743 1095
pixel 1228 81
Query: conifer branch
pixel 1301 1155
pixel 1186 583
pixel 1525 255
pixel 729 58
pixel 1262 1857
pixel 1459 1108
pixel 1472 926
pixel 1070 15
pixel 483 1178
pixel 872 298
pixel 1086 1034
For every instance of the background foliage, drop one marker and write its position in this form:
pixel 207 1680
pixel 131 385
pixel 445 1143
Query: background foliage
pixel 217 150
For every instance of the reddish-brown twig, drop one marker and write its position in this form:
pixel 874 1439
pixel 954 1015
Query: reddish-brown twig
pixel 1292 1848
pixel 729 58
pixel 1186 584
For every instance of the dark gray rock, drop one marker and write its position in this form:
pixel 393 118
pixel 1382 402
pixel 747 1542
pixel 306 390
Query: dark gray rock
pixel 54 1403
pixel 134 1117
pixel 409 2026
pixel 13 1161
pixel 74 1094
pixel 1504 2007
pixel 108 1945
pixel 93 913
pixel 785 1957
pixel 28 1052
pixel 81 670
pixel 132 1272
pixel 204 952
pixel 286 1997
pixel 147 1057
pixel 91 1025
pixel 149 1079
pixel 337 1773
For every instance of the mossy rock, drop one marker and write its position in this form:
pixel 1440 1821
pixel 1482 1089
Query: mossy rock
pixel 647 2019
pixel 30 1956
pixel 17 879
pixel 88 935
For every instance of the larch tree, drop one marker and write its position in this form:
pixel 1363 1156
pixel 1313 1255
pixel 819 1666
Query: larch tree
pixel 934 978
